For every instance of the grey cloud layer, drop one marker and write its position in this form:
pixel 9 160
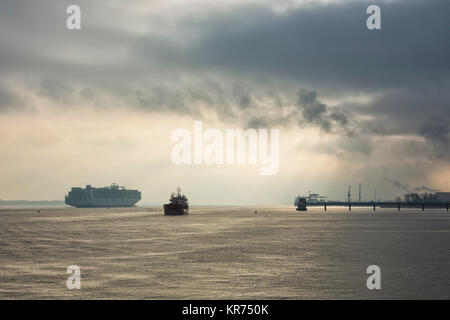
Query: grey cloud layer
pixel 322 46
pixel 326 45
pixel 247 63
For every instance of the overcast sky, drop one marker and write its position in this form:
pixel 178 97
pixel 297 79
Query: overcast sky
pixel 98 105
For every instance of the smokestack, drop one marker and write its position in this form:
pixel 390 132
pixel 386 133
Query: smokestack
pixel 359 197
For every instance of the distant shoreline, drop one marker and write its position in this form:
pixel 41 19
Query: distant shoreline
pixel 30 202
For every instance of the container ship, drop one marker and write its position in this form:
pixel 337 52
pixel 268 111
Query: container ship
pixel 178 205
pixel 112 196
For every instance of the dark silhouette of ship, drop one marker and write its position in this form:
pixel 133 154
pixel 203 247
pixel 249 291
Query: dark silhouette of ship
pixel 178 204
pixel 301 204
pixel 113 196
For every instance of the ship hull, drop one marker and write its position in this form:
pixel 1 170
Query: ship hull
pixel 102 203
pixel 175 209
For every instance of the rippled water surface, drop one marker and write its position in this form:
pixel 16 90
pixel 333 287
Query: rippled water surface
pixel 224 253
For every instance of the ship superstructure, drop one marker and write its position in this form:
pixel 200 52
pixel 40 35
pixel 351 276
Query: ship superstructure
pixel 311 198
pixel 112 196
pixel 178 204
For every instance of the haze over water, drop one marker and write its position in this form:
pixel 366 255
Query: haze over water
pixel 224 253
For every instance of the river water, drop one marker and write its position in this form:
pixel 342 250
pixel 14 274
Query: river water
pixel 224 253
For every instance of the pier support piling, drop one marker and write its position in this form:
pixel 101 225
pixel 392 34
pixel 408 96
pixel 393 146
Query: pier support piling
pixel 383 204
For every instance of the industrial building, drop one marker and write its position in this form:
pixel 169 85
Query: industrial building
pixel 443 196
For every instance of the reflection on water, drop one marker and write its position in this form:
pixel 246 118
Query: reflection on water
pixel 224 252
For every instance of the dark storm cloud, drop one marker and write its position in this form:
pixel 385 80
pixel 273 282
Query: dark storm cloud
pixel 326 45
pixel 246 63
pixel 304 109
pixel 315 112
pixel 424 112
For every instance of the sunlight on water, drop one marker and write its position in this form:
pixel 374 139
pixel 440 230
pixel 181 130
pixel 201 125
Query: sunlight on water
pixel 224 252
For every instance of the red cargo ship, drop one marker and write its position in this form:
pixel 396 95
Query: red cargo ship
pixel 178 205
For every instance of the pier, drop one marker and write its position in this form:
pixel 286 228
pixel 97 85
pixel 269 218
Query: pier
pixel 381 204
